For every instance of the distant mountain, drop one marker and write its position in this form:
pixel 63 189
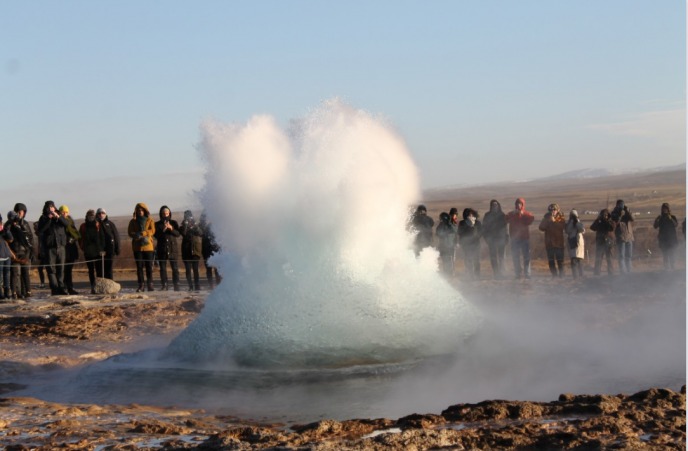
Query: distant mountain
pixel 599 172
pixel 578 174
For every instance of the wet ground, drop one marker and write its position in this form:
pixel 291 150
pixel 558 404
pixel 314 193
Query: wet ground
pixel 543 337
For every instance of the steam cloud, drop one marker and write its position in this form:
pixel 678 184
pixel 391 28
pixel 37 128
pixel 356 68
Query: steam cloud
pixel 316 261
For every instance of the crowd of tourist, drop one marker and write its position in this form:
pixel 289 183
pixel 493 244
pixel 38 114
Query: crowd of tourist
pixel 58 242
pixel 53 244
pixel 613 232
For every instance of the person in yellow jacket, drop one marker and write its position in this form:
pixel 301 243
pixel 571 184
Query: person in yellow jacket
pixel 141 230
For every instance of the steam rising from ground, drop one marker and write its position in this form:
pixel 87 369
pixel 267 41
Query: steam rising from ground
pixel 316 261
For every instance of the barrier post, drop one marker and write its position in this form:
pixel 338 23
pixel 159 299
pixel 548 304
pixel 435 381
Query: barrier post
pixel 102 264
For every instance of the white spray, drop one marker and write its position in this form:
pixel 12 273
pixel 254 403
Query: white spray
pixel 316 260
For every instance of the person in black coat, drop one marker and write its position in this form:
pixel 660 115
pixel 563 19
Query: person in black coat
pixel 668 241
pixel 51 228
pixel 22 246
pixel 446 242
pixel 422 225
pixel 496 237
pixel 209 247
pixel 470 231
pixel 111 234
pixel 166 234
pixel 192 249
pixel 604 228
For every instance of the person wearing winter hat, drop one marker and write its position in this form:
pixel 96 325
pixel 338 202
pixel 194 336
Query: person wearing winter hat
pixel 166 234
pixel 71 250
pixel 574 237
pixel 553 224
pixel 422 225
pixel 52 230
pixel 141 230
pixel 496 237
pixel 92 243
pixel 22 246
pixel 446 243
pixel 192 249
pixel 519 220
pixel 111 234
pixel 470 231
pixel 668 241
pixel 603 227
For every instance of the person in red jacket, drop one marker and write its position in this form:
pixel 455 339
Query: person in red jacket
pixel 519 220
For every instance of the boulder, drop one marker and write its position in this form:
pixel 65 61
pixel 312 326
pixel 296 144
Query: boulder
pixel 106 286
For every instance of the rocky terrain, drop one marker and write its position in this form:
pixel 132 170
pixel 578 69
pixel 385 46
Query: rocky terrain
pixel 649 420
pixel 45 333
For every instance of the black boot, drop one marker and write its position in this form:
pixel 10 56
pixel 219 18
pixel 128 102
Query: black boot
pixel 150 286
pixel 140 289
pixel 176 287
pixel 72 291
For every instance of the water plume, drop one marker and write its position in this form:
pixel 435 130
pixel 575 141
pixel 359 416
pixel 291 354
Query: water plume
pixel 316 261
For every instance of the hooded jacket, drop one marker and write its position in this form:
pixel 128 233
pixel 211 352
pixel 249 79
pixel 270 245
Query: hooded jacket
pixel 138 234
pixel 446 233
pixel 666 223
pixel 52 230
pixel 210 245
pixel 111 236
pixel 553 226
pixel 575 231
pixel 519 222
pixel 603 227
pixel 494 226
pixel 624 219
pixel 166 247
pixel 92 240
pixel 469 235
pixel 192 243
pixel 22 242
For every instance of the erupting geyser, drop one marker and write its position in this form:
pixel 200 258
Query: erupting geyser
pixel 316 261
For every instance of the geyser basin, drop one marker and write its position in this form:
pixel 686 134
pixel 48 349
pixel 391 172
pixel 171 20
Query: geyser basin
pixel 316 261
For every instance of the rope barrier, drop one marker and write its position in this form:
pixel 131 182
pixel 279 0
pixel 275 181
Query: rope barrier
pixel 45 265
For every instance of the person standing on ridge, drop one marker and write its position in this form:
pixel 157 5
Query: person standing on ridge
pixel 446 242
pixel 166 234
pixel 111 234
pixel 519 221
pixel 71 250
pixel 51 228
pixel 496 237
pixel 623 233
pixel 210 247
pixel 470 231
pixel 668 241
pixel 553 224
pixel 141 230
pixel 574 235
pixel 603 227
pixel 192 249
pixel 22 246
pixel 92 243
pixel 422 224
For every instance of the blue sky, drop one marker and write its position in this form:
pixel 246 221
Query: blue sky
pixel 100 102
